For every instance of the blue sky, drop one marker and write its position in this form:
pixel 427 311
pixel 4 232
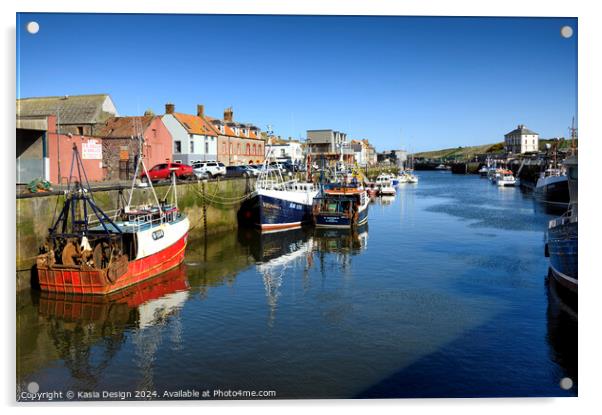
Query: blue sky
pixel 412 82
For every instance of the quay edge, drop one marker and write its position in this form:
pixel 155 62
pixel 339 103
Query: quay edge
pixel 207 216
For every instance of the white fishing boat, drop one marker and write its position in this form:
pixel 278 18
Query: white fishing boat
pixel 506 178
pixel 384 185
pixel 410 177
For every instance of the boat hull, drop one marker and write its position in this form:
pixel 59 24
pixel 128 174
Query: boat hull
pixel 562 247
pixel 275 213
pixel 74 280
pixel 341 221
pixel 556 190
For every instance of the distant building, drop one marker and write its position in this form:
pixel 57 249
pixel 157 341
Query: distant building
pixel 359 152
pixel 395 157
pixel 285 150
pixel 329 145
pixel 43 153
pixel 371 156
pixel 238 143
pixel 364 152
pixel 75 114
pixel 194 137
pixel 121 146
pixel 521 140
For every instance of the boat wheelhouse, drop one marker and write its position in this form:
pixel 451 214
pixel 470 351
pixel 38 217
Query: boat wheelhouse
pixel 383 183
pixel 505 178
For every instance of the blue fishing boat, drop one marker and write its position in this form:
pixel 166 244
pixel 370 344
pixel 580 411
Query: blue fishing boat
pixel 341 206
pixel 562 238
pixel 277 204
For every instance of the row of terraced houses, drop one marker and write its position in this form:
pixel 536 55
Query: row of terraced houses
pixel 47 128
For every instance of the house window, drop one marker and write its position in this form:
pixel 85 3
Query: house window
pixel 248 148
pixel 191 146
pixel 254 149
pixel 177 147
pixel 206 148
pixel 80 130
pixel 238 149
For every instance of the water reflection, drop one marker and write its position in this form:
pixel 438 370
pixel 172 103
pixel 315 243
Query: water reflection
pixel 77 324
pixel 562 329
pixel 386 200
pixel 293 252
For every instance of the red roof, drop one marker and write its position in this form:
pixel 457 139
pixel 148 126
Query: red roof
pixel 195 124
pixel 125 127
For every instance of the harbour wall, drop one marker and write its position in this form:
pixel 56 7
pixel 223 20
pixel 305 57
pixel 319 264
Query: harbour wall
pixel 211 207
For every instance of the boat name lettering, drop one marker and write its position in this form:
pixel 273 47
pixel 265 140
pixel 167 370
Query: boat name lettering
pixel 158 234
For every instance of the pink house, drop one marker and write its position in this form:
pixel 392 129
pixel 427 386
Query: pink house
pixel 120 144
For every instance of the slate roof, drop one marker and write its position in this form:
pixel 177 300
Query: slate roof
pixel 125 127
pixel 522 130
pixel 74 109
pixel 195 124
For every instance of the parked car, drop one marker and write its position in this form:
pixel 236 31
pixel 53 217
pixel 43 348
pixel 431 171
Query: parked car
pixel 238 171
pixel 209 168
pixel 163 172
pixel 288 166
pixel 253 170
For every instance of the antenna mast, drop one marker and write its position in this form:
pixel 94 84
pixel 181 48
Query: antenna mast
pixel 573 131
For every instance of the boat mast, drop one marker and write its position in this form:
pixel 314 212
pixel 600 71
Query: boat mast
pixel 138 130
pixel 573 131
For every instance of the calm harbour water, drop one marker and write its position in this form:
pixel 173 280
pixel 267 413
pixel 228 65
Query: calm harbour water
pixel 443 294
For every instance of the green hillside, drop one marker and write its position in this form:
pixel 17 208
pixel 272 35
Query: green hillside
pixel 460 153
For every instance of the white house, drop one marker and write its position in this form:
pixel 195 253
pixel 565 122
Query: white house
pixel 194 137
pixel 289 150
pixel 521 140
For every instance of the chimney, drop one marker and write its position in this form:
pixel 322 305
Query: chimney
pixel 200 110
pixel 228 115
pixel 170 108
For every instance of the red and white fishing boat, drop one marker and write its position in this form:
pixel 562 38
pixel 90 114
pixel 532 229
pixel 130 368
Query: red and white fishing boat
pixel 88 252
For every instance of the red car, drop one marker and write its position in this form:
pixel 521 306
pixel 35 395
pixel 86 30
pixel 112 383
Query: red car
pixel 163 172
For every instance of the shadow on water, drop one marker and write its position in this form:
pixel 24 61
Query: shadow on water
pixel 562 326
pixel 451 371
